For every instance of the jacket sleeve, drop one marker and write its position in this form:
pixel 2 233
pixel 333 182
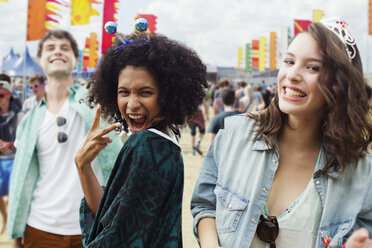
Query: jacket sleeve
pixel 203 202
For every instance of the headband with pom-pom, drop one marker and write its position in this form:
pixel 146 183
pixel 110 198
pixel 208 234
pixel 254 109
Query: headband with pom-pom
pixel 141 26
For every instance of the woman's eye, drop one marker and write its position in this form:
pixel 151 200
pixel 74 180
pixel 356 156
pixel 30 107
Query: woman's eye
pixel 146 93
pixel 314 68
pixel 289 62
pixel 123 92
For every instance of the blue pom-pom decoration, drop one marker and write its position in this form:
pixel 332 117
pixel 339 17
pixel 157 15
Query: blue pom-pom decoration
pixel 141 24
pixel 110 27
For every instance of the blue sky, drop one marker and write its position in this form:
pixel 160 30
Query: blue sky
pixel 213 28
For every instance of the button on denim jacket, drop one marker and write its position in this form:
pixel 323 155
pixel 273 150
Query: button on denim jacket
pixel 236 178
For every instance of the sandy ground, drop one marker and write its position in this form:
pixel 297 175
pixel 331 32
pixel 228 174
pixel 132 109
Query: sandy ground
pixel 192 167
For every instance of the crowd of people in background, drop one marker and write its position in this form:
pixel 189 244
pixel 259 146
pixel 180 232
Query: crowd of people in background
pixel 226 99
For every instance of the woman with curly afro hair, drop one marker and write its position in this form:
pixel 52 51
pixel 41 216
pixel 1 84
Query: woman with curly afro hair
pixel 149 85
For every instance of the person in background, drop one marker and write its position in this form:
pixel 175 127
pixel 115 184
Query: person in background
pixel 239 93
pixel 297 174
pixel 266 94
pixel 228 100
pixel 249 102
pixel 45 191
pixel 217 104
pixel 198 122
pixel 10 116
pixel 37 85
pixel 258 93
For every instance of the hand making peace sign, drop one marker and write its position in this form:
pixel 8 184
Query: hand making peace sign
pixel 95 141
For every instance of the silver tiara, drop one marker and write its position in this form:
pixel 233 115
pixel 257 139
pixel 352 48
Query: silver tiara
pixel 340 28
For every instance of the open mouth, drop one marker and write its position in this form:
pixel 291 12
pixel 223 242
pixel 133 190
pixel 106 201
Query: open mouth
pixel 137 122
pixel 293 93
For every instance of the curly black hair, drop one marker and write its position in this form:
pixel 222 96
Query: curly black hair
pixel 178 72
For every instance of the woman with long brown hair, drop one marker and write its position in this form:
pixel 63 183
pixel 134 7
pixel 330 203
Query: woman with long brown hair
pixel 296 174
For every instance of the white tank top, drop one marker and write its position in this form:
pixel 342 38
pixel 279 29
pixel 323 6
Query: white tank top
pixel 298 228
pixel 56 198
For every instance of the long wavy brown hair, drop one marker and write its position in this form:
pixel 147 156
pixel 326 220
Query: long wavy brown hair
pixel 346 128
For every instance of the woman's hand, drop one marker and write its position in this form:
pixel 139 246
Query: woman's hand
pixel 359 239
pixel 95 141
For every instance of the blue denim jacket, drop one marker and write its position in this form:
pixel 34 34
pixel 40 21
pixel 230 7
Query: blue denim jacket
pixel 236 178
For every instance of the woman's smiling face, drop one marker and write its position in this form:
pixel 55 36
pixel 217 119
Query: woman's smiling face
pixel 137 97
pixel 298 78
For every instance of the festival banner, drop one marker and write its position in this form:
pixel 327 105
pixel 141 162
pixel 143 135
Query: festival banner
pixel 82 10
pixel 317 15
pixel 151 20
pixel 255 54
pixel 262 54
pixel 370 17
pixel 86 52
pixel 110 10
pixel 42 16
pixel 248 57
pixel 272 51
pixel 300 25
pixel 240 57
pixel 93 50
pixel 36 19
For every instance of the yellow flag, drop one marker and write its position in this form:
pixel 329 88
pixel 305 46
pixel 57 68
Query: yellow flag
pixel 4 1
pixel 317 15
pixel 81 11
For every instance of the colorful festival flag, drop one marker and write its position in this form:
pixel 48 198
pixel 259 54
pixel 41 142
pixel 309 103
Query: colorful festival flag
pixel 272 51
pixel 93 50
pixel 36 19
pixel 240 57
pixel 82 10
pixel 300 25
pixel 42 17
pixel 317 15
pixel 262 54
pixel 151 20
pixel 248 57
pixel 110 10
pixel 255 54
pixel 86 52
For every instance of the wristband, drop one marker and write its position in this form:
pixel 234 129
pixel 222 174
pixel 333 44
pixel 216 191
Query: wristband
pixel 10 145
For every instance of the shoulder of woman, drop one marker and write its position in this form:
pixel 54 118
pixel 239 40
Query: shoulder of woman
pixel 240 121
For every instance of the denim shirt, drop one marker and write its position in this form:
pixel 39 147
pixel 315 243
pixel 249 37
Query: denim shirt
pixel 25 172
pixel 236 178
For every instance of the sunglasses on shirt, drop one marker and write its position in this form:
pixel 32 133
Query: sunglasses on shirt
pixel 61 136
pixel 268 230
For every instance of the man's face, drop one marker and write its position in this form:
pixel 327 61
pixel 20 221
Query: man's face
pixel 5 96
pixel 57 57
pixel 37 87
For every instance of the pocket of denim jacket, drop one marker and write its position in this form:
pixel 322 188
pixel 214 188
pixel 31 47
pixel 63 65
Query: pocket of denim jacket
pixel 229 209
pixel 336 231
